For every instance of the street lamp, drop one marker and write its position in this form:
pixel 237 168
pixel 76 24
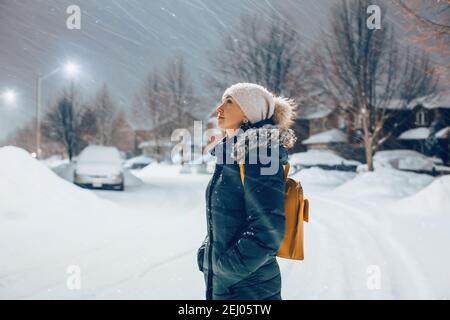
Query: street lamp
pixel 71 70
pixel 9 96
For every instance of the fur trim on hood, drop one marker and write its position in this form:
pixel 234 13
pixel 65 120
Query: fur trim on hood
pixel 267 136
pixel 275 130
pixel 284 113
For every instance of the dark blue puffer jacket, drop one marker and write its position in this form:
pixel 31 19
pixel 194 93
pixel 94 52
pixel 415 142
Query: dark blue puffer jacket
pixel 246 224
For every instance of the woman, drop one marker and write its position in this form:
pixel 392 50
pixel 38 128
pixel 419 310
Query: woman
pixel 246 220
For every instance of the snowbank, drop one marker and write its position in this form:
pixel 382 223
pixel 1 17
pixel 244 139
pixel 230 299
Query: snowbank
pixel 48 224
pixel 319 157
pixel 432 200
pixel 403 159
pixel 47 221
pixel 29 188
pixel 54 161
pixel 141 160
pixel 317 179
pixel 383 183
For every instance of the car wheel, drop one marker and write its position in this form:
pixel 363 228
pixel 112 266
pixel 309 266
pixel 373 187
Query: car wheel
pixel 121 187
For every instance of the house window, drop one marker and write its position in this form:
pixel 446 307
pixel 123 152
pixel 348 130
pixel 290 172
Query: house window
pixel 420 118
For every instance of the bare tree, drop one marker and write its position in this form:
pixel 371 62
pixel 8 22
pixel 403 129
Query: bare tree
pixel 105 113
pixel 267 54
pixel 151 109
pixel 151 104
pixel 66 123
pixel 122 136
pixel 179 90
pixel 430 21
pixel 426 24
pixel 365 73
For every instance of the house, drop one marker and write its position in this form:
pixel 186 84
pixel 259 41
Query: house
pixel 421 126
pixel 157 143
pixel 329 128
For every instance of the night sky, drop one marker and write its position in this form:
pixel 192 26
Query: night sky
pixel 121 41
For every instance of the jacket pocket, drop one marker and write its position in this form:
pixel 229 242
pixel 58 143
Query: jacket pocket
pixel 201 254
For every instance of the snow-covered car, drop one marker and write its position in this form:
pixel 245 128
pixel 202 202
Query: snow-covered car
pixel 138 162
pixel 99 167
pixel 403 159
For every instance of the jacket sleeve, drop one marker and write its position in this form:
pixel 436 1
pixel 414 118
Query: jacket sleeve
pixel 264 232
pixel 201 253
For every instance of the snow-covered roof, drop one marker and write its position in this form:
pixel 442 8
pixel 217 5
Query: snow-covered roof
pixel 320 112
pixel 415 134
pixel 154 143
pixel 443 133
pixel 330 136
pixel 442 101
pixel 399 104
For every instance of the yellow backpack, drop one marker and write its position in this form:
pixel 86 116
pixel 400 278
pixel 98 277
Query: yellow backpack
pixel 297 211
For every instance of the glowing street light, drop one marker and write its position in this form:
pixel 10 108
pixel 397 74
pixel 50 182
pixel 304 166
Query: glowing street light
pixel 9 96
pixel 71 70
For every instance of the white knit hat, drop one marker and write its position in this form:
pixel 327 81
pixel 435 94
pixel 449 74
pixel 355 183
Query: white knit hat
pixel 255 101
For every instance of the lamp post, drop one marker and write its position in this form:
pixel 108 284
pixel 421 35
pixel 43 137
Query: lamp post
pixel 71 70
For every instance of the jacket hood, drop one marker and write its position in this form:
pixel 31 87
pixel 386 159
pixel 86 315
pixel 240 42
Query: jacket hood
pixel 266 136
pixel 269 133
pixel 253 137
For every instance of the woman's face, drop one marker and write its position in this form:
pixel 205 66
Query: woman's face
pixel 229 114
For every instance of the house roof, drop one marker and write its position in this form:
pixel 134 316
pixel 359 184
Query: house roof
pixel 320 111
pixel 421 133
pixel 329 136
pixel 442 101
pixel 155 143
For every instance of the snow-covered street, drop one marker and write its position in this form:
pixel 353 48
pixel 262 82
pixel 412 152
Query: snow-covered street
pixel 371 235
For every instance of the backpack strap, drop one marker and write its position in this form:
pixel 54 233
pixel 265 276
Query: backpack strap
pixel 287 166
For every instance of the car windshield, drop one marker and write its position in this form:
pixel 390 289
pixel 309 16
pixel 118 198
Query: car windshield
pixel 99 154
